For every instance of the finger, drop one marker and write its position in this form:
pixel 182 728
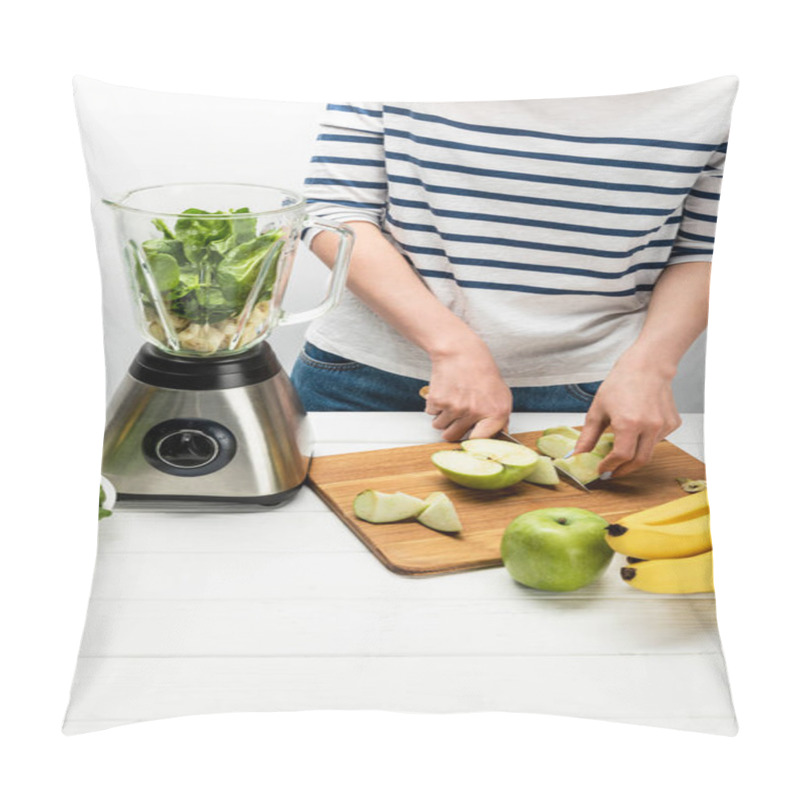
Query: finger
pixel 459 429
pixel 488 427
pixel 444 417
pixel 433 408
pixel 434 404
pixel 594 425
pixel 626 444
pixel 644 452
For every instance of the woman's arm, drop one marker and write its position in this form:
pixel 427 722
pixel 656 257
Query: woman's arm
pixel 466 388
pixel 635 400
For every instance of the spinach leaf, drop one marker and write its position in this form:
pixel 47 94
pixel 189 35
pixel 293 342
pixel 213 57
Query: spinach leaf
pixel 207 267
pixel 103 512
pixel 238 270
pixel 162 226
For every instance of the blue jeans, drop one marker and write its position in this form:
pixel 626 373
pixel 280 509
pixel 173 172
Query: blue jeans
pixel 327 382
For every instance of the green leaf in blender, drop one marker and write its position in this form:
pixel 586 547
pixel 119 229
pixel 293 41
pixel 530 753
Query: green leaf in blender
pixel 206 270
pixel 238 270
pixel 212 305
pixel 165 270
pixel 200 235
pixel 243 227
pixel 103 512
pixel 162 226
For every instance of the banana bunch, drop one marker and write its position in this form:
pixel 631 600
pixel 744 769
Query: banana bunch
pixel 668 546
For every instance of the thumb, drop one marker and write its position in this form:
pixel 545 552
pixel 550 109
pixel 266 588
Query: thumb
pixel 592 428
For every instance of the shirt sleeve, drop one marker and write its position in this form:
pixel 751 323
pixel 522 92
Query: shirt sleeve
pixel 695 239
pixel 346 180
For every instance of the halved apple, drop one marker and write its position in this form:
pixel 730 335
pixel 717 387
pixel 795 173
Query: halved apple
pixel 374 506
pixel 544 472
pixel 486 463
pixel 440 514
pixel 582 466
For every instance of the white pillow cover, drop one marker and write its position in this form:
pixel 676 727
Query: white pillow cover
pixel 209 612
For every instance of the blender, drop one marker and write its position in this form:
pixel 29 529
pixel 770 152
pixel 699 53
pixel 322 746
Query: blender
pixel 206 412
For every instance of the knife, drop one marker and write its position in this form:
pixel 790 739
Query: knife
pixel 423 392
pixel 560 470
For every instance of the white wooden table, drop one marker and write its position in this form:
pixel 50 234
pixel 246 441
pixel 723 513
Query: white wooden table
pixel 276 610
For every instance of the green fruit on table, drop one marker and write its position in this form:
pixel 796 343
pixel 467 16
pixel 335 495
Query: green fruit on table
pixel 555 445
pixel 374 506
pixel 604 445
pixel 556 549
pixel 562 430
pixel 544 473
pixel 583 466
pixel 440 514
pixel 486 463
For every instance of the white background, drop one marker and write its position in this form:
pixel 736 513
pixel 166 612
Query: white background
pixel 54 398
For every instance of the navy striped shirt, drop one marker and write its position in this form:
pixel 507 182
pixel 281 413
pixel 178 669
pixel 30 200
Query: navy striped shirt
pixel 543 224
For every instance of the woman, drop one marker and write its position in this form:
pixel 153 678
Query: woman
pixel 516 255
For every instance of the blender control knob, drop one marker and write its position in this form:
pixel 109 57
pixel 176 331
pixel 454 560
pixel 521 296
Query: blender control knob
pixel 188 447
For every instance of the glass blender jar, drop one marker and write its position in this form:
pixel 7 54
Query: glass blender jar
pixel 206 412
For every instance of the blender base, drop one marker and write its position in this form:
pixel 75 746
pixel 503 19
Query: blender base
pixel 270 501
pixel 211 431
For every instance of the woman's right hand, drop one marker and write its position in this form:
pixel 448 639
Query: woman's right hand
pixel 467 394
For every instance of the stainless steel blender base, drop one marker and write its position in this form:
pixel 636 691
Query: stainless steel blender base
pixel 249 444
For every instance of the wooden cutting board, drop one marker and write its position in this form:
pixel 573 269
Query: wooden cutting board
pixel 409 548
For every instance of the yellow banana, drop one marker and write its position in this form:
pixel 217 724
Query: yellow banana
pixel 672 575
pixel 688 507
pixel 680 539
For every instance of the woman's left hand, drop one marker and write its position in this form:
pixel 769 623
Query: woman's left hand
pixel 636 403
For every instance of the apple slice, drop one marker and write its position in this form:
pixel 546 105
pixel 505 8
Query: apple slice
pixel 582 466
pixel 555 445
pixel 544 473
pixel 604 445
pixel 440 514
pixel 374 506
pixel 562 430
pixel 486 463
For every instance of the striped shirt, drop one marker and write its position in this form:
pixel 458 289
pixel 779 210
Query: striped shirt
pixel 543 224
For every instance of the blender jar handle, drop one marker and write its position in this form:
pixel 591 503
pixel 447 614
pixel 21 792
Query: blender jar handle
pixel 338 274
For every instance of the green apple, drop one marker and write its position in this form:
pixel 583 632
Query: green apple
pixel 374 506
pixel 555 445
pixel 604 445
pixel 556 549
pixel 562 430
pixel 486 463
pixel 582 466
pixel 544 473
pixel 440 514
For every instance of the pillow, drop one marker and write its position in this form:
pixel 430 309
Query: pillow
pixel 209 607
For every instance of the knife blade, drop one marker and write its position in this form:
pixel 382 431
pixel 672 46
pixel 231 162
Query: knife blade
pixel 560 470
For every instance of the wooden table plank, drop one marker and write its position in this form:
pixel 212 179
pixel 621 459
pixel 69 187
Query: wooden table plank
pixel 672 689
pixel 529 625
